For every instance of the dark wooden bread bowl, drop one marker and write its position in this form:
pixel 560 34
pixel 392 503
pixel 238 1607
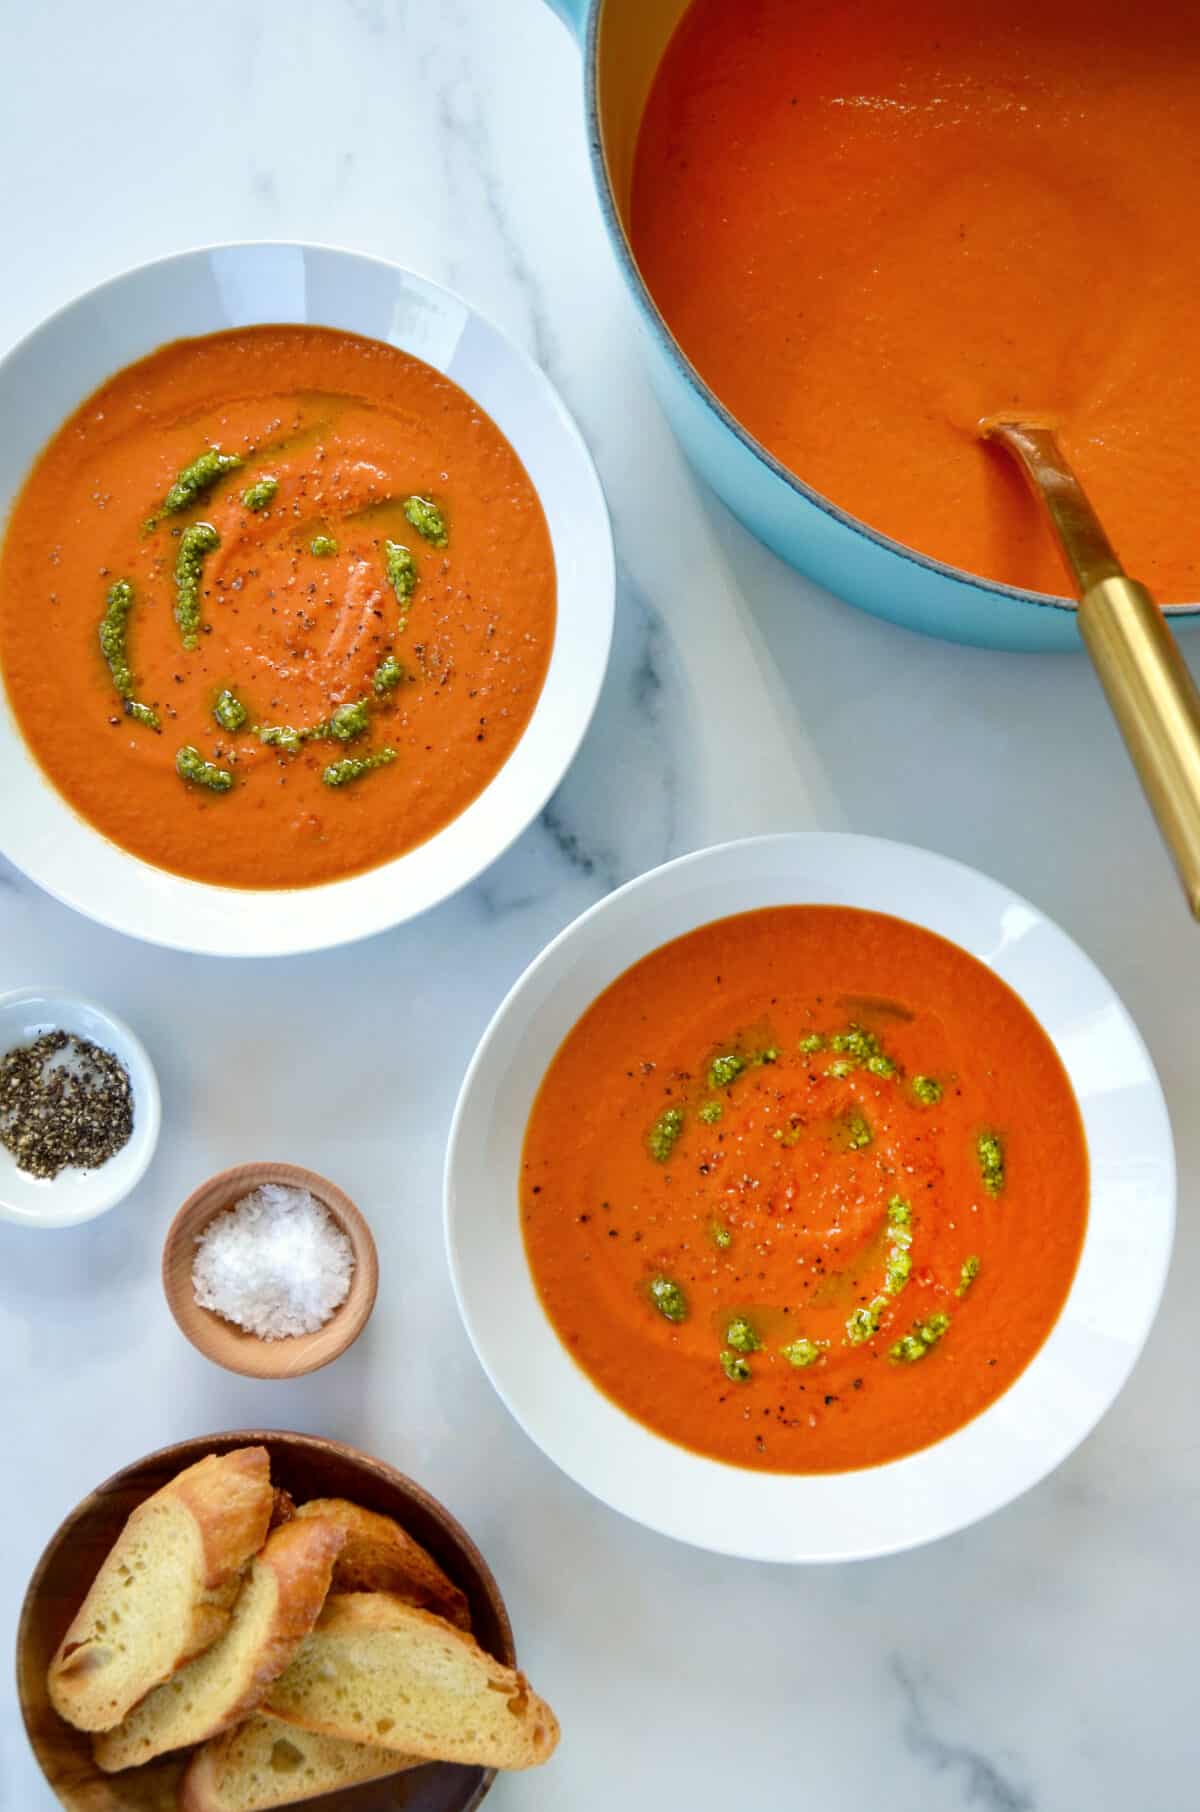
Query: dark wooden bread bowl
pixel 307 1467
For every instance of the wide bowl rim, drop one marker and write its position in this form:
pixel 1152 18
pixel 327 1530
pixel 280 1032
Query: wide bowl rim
pixel 682 365
pixel 582 639
pixel 186 1452
pixel 469 1127
pixel 147 1104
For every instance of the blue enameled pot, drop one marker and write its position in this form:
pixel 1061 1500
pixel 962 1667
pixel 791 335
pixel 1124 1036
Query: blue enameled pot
pixel 623 41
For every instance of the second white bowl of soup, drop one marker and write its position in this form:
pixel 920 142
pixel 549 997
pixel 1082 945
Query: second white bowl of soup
pixel 810 1197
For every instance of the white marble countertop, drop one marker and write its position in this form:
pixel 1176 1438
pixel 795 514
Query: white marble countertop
pixel 1044 1660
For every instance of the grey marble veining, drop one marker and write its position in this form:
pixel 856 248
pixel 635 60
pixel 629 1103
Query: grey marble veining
pixel 979 1778
pixel 1042 1662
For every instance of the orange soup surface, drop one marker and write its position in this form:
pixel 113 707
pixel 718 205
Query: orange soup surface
pixel 275 605
pixel 870 224
pixel 805 1189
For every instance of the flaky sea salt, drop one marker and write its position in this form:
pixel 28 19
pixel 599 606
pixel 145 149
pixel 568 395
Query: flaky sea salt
pixel 276 1263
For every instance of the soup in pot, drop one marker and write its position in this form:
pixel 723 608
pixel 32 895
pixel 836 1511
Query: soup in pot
pixel 870 224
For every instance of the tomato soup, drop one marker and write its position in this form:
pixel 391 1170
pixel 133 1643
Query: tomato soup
pixel 870 224
pixel 275 606
pixel 805 1190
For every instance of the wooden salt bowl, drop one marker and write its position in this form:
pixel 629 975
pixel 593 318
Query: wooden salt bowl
pixel 228 1345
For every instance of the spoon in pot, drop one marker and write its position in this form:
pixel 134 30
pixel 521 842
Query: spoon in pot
pixel 1151 692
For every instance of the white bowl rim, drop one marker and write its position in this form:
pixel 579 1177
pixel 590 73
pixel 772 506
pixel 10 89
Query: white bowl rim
pixel 221 912
pixel 795 1502
pixel 95 1196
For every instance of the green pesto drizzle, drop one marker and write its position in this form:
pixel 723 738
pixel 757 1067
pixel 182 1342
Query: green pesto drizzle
pixel 343 725
pixel 668 1298
pixel 353 767
pixel 262 492
pixel 924 1336
pixel 190 765
pixel 427 519
pixel 196 480
pixel 387 675
pixel 814 1042
pixel 864 1322
pixel 991 1162
pixel 968 1274
pixel 710 1112
pixel 899 1258
pixel 927 1090
pixel 898 1271
pixel 735 1368
pixel 663 1135
pixel 740 1335
pixel 229 711
pixel 401 570
pixel 113 646
pixel 720 1235
pixel 803 1352
pixel 322 546
pixel 197 541
pixel 898 1212
pixel 856 1130
pixel 857 1049
pixel 282 736
pixel 347 722
pixel 112 635
pixel 725 1069
pixel 729 1065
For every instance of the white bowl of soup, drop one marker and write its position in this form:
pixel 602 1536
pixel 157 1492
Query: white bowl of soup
pixel 306 597
pixel 810 1198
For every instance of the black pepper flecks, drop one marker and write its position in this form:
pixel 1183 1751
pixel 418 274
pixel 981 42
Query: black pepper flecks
pixel 63 1102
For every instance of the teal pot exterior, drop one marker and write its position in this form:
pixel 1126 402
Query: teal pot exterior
pixel 812 534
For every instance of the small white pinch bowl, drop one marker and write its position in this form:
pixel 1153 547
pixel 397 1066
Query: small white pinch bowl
pixel 78 1195
pixel 1050 1407
pixel 48 374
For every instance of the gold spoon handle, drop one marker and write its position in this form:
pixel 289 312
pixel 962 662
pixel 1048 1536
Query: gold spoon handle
pixel 1157 708
pixel 1145 678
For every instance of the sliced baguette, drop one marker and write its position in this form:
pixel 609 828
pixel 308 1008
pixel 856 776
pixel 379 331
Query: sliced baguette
pixel 166 1589
pixel 380 1556
pixel 277 1608
pixel 377 1670
pixel 265 1763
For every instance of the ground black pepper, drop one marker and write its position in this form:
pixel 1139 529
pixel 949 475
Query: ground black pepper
pixel 63 1101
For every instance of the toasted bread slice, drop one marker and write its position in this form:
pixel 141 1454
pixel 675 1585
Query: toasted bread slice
pixel 377 1670
pixel 265 1763
pixel 379 1556
pixel 166 1590
pixel 276 1609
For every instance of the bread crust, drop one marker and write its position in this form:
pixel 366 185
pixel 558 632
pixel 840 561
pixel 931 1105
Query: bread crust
pixel 227 1500
pixel 529 1740
pixel 231 1497
pixel 380 1556
pixel 291 1578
